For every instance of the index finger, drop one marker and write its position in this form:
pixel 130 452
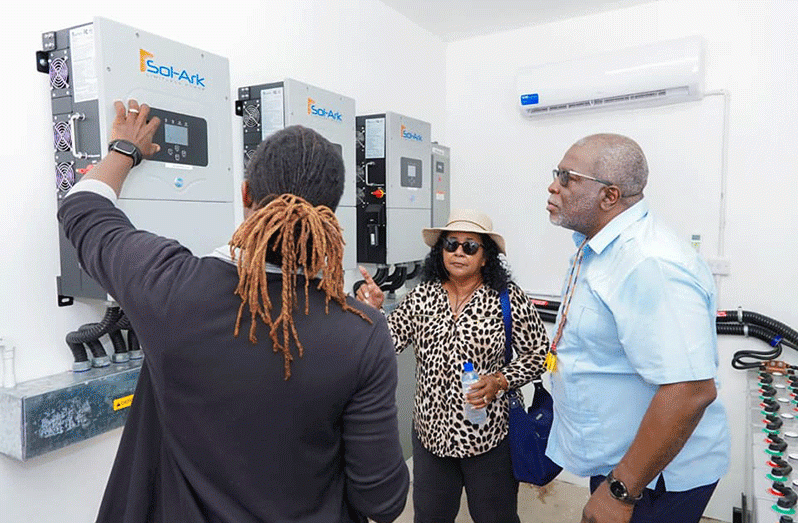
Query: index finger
pixel 121 111
pixel 366 276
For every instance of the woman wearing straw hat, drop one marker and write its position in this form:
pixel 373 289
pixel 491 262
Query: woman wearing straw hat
pixel 452 317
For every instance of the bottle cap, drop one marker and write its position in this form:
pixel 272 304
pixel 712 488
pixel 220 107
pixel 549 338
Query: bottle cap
pixel 468 367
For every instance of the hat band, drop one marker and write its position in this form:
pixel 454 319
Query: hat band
pixel 467 221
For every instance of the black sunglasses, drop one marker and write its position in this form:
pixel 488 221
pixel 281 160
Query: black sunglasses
pixel 470 247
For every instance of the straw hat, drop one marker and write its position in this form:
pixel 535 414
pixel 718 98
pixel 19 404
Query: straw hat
pixel 465 220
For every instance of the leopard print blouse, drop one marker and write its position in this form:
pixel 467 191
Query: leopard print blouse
pixel 424 319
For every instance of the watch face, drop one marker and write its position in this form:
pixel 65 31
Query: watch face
pixel 124 147
pixel 618 489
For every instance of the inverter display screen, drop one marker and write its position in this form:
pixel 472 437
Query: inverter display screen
pixel 175 134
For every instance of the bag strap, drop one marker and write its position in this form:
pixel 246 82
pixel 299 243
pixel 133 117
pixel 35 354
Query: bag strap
pixel 504 298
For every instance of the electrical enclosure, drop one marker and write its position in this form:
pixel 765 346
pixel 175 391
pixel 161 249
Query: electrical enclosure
pixel 393 188
pixel 185 191
pixel 269 107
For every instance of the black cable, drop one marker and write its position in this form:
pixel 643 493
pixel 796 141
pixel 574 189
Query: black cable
pixel 742 316
pixel 728 322
pixel 751 359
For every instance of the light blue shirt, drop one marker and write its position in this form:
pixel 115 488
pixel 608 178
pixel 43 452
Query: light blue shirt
pixel 642 315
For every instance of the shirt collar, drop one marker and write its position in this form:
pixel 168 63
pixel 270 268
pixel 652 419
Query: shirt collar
pixel 223 253
pixel 614 228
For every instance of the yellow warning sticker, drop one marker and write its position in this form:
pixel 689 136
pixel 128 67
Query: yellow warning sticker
pixel 123 403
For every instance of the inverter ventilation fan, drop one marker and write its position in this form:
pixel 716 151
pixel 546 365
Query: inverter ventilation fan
pixel 251 115
pixel 64 176
pixel 62 136
pixel 59 73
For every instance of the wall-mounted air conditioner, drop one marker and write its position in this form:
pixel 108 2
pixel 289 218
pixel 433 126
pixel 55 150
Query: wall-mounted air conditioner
pixel 660 73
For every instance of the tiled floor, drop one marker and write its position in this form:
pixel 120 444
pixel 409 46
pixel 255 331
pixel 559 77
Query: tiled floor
pixel 558 502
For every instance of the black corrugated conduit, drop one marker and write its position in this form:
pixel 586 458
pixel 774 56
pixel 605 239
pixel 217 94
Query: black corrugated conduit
pixel 417 266
pixel 133 348
pixel 92 332
pixel 759 326
pixel 379 277
pixel 396 279
pixel 113 322
pixel 732 322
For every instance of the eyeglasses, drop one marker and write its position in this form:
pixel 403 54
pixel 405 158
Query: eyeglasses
pixel 564 176
pixel 470 247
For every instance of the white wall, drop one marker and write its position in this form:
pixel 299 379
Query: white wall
pixel 751 52
pixel 359 48
pixel 364 50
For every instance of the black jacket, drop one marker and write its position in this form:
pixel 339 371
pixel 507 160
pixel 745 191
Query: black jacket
pixel 215 432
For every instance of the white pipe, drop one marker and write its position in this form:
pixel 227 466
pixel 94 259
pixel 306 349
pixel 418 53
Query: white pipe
pixel 724 160
pixel 9 379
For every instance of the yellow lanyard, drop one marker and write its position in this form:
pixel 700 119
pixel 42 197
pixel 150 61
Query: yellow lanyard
pixel 551 357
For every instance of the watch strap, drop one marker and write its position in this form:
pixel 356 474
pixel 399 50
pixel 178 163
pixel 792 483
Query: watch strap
pixel 127 148
pixel 623 496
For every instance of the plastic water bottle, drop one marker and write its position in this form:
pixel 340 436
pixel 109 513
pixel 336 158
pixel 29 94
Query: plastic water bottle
pixel 472 414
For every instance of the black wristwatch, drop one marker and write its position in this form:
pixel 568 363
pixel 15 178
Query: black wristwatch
pixel 127 148
pixel 619 491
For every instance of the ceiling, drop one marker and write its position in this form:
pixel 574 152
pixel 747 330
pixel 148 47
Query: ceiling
pixel 459 19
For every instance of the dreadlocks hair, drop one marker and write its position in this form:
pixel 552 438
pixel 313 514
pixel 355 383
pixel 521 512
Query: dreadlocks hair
pixel 296 176
pixel 495 272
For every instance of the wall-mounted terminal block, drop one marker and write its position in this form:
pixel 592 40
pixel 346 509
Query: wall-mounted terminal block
pixel 45 414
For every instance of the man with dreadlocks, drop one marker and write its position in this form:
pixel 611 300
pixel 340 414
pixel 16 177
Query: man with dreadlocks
pixel 294 419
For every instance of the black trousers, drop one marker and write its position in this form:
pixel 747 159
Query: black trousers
pixel 491 488
pixel 660 506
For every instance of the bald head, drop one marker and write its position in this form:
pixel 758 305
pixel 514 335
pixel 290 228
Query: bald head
pixel 618 159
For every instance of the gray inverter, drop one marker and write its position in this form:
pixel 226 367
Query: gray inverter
pixel 185 191
pixel 393 188
pixel 266 108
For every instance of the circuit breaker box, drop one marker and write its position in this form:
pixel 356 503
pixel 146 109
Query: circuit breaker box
pixel 185 191
pixel 269 107
pixel 393 188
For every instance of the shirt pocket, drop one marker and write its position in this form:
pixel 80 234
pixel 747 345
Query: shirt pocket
pixel 597 342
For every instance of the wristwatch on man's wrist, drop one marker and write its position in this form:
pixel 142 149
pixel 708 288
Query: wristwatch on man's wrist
pixel 127 148
pixel 619 491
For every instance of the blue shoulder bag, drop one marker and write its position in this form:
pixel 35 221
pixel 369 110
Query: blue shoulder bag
pixel 529 429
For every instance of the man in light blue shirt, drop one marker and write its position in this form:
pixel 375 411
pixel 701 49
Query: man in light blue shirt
pixel 635 348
